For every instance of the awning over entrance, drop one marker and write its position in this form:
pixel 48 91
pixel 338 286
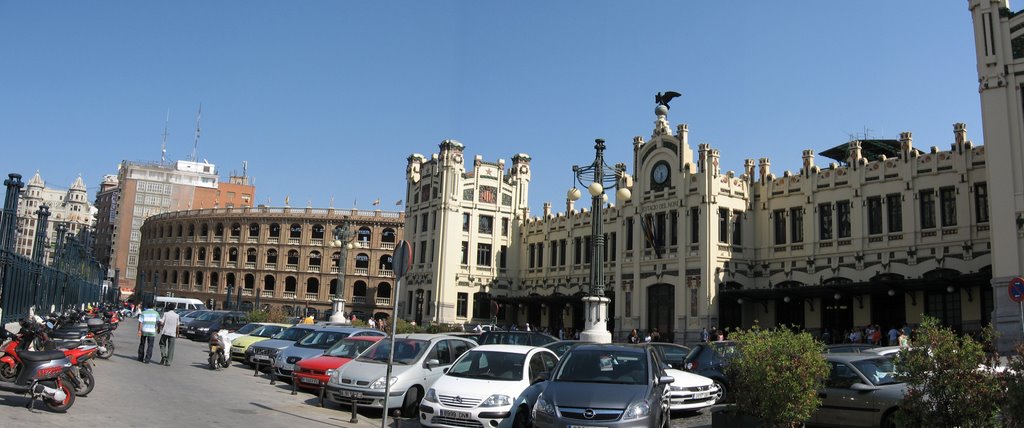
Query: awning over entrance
pixel 883 283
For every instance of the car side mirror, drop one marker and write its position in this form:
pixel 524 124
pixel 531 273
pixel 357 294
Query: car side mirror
pixel 445 370
pixel 541 377
pixel 433 362
pixel 860 387
pixel 666 380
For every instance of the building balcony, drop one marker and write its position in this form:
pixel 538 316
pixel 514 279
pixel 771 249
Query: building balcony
pixel 334 269
pixel 232 264
pixel 267 293
pixel 186 262
pixel 361 271
pixel 387 272
pixel 204 238
pixel 358 300
pixel 292 268
pixel 316 242
pixel 289 295
pixel 250 266
pixel 273 240
pixel 387 245
pixel 312 296
pixel 294 241
pixel 362 244
pixel 314 268
pixel 269 266
pixel 383 301
pixel 234 239
pixel 252 239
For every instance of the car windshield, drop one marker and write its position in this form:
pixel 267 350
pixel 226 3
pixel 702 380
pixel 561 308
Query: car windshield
pixel 505 339
pixel 195 314
pixel 248 328
pixel 604 366
pixel 489 365
pixel 210 316
pixel 321 339
pixel 348 348
pixel 879 371
pixel 292 334
pixel 267 331
pixel 407 351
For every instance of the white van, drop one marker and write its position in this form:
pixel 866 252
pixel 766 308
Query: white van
pixel 179 304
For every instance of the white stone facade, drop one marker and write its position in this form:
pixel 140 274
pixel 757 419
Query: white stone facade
pixel 66 206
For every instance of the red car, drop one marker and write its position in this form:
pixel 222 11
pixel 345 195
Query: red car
pixel 313 373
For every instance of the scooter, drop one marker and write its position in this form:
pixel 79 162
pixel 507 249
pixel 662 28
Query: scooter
pixel 33 336
pixel 43 375
pixel 220 352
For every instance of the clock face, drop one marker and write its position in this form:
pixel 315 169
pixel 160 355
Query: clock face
pixel 660 173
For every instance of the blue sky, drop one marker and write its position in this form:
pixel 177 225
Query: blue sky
pixel 328 98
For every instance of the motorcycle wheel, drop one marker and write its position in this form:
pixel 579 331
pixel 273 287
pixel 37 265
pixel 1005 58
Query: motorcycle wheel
pixel 109 345
pixel 86 382
pixel 9 373
pixel 225 362
pixel 64 384
pixel 214 364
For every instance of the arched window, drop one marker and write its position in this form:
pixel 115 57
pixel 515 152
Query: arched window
pixel 385 262
pixel 236 230
pixel 295 231
pixel 275 230
pixel 250 281
pixel 334 287
pixel 383 290
pixel 289 284
pixel 335 259
pixel 218 231
pixel 188 254
pixel 272 256
pixel 191 229
pixel 364 234
pixel 214 279
pixel 312 286
pixel 199 278
pixel 204 230
pixel 232 255
pixel 318 231
pixel 165 277
pixel 268 283
pixel 180 230
pixel 185 278
pixel 177 254
pixel 250 255
pixel 362 261
pixel 174 277
pixel 230 279
pixel 293 257
pixel 359 289
pixel 254 230
pixel 314 258
pixel 167 253
pixel 216 254
pixel 388 235
pixel 202 254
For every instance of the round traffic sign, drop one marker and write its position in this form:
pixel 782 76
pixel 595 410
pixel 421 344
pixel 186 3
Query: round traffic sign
pixel 1016 289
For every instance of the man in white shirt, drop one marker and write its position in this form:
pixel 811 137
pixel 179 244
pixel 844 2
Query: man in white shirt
pixel 168 333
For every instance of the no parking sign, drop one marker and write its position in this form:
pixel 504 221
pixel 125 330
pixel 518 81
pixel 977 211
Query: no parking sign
pixel 1016 289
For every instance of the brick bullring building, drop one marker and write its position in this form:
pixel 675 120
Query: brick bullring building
pixel 282 257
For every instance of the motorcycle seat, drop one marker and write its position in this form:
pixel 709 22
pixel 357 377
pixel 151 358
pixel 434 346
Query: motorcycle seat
pixel 37 356
pixel 75 335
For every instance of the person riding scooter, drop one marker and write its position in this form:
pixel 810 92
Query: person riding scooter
pixel 220 350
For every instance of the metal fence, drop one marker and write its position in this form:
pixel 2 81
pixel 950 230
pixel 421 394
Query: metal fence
pixel 74 279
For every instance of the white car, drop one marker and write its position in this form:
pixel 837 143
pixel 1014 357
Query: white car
pixel 420 359
pixel 489 386
pixel 691 391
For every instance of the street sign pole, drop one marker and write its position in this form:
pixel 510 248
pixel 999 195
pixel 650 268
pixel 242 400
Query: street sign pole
pixel 1016 290
pixel 400 262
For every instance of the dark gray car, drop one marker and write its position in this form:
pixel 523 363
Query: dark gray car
pixel 608 386
pixel 860 391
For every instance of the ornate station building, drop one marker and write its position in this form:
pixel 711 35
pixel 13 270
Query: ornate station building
pixel 880 234
pixel 285 257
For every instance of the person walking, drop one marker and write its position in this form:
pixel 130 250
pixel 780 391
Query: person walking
pixel 147 333
pixel 704 335
pixel 904 341
pixel 634 337
pixel 168 333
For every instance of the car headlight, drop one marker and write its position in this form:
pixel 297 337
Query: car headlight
pixel 431 396
pixel 543 406
pixel 637 410
pixel 335 376
pixel 379 383
pixel 204 328
pixel 330 373
pixel 676 388
pixel 497 400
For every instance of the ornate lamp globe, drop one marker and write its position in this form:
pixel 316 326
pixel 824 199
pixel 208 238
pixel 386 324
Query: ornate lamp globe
pixel 574 194
pixel 595 189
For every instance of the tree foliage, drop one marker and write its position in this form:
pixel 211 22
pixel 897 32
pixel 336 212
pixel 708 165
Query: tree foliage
pixel 1013 401
pixel 776 374
pixel 950 383
pixel 274 314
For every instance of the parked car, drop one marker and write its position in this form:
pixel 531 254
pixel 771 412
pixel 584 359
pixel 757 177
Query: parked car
pixel 529 338
pixel 313 345
pixel 689 391
pixel 846 348
pixel 885 351
pixel 240 345
pixel 709 359
pixel 861 390
pixel 212 321
pixel 265 352
pixel 672 353
pixel 466 335
pixel 244 330
pixel 485 387
pixel 560 347
pixel 313 373
pixel 419 360
pixel 184 319
pixel 605 385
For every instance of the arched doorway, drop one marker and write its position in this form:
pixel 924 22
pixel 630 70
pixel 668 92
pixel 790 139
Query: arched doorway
pixel 661 308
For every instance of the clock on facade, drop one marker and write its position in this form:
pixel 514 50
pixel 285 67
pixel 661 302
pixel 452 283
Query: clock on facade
pixel 659 175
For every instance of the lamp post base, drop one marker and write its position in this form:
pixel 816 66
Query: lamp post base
pixel 338 311
pixel 596 327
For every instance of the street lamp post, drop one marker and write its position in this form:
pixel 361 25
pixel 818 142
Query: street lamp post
pixel 342 241
pixel 603 177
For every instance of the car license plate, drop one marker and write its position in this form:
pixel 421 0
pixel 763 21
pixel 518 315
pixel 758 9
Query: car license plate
pixel 260 358
pixel 353 394
pixel 583 426
pixel 453 414
pixel 309 380
pixel 699 395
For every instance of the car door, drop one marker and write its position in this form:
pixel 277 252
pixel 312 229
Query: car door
pixel 442 352
pixel 841 405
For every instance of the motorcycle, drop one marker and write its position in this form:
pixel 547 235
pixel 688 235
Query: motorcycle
pixel 220 350
pixel 44 375
pixel 33 336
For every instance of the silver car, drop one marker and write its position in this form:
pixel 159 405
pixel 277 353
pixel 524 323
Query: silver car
pixel 313 345
pixel 607 386
pixel 419 360
pixel 861 391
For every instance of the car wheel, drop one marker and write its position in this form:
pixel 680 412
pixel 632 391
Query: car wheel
pixel 522 419
pixel 411 405
pixel 889 420
pixel 723 392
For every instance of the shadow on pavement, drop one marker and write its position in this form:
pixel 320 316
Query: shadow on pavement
pixel 10 399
